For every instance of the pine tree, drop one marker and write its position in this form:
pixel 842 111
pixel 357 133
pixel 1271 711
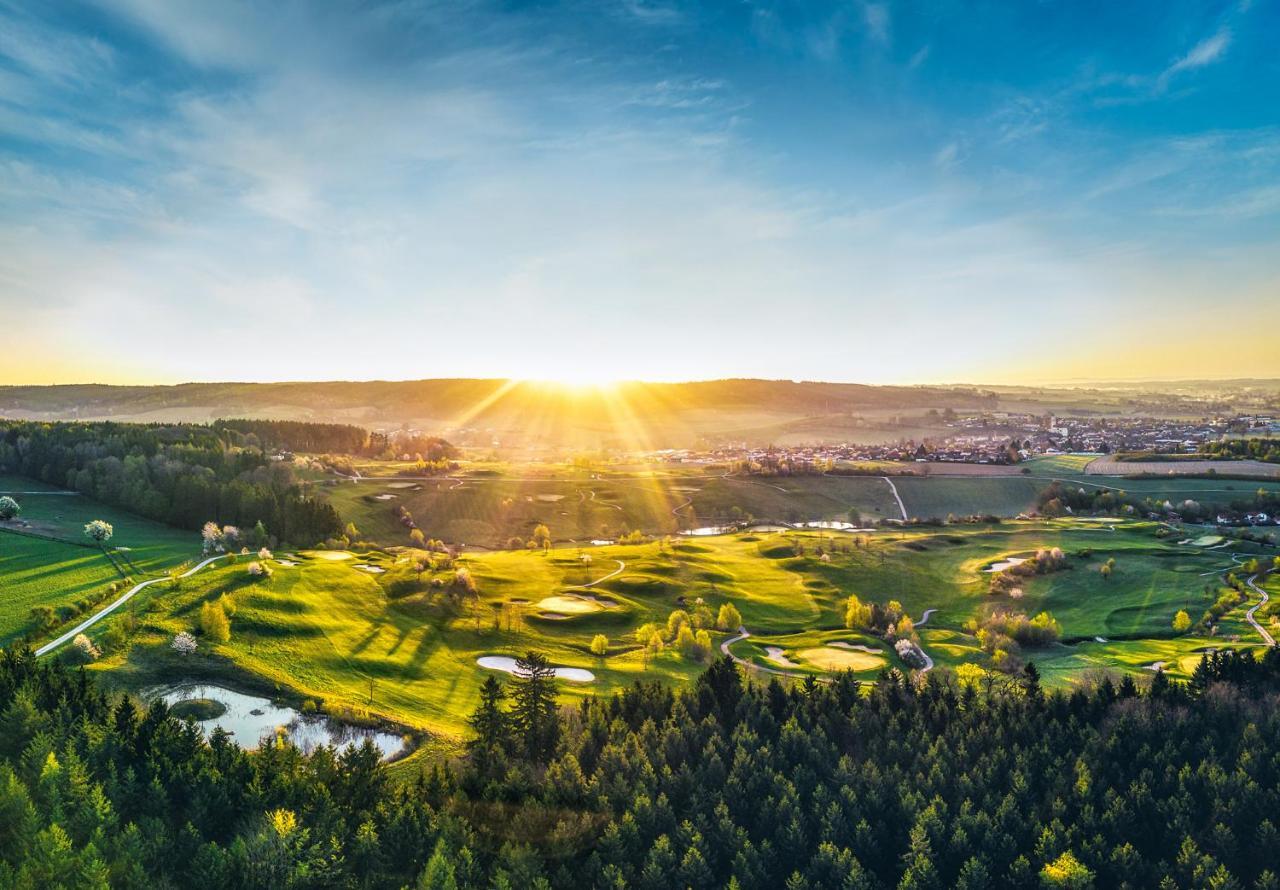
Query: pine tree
pixel 534 715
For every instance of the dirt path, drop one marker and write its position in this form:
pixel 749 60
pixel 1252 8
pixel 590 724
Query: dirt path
pixel 124 598
pixel 897 497
pixel 1262 631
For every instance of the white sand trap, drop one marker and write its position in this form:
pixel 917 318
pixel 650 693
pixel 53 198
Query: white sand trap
pixel 508 664
pixel 1154 666
pixel 601 542
pixel 1005 564
pixel 287 563
pixel 1207 540
pixel 841 644
pixel 385 497
pixel 331 555
pixel 403 485
pixel 1100 639
pixel 554 616
pixel 372 570
pixel 551 498
pixel 778 656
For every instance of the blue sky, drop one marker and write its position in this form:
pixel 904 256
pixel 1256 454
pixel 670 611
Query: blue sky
pixel 876 192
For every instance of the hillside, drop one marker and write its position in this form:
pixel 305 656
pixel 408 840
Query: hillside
pixel 532 414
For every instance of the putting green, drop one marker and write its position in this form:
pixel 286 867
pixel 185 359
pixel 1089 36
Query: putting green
pixel 829 658
pixel 569 605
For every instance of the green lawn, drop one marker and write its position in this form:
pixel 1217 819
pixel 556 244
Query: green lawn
pixel 35 572
pixel 326 628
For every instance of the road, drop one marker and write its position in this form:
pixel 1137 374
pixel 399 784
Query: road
pixel 124 598
pixel 1262 631
pixel 897 497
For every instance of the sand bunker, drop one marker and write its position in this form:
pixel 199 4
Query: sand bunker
pixel 1154 666
pixel 856 647
pixel 570 605
pixel 372 570
pixel 331 555
pixel 554 616
pixel 1005 564
pixel 287 563
pixel 403 485
pixel 778 656
pixel 828 658
pixel 551 498
pixel 508 664
pixel 385 497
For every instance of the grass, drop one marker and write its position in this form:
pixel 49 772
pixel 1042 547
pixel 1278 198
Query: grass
pixel 150 546
pixel 53 570
pixel 399 649
pixel 38 572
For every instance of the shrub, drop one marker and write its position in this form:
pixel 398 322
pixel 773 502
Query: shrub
pixel 214 623
pixel 85 648
pixel 729 618
pixel 599 645
pixel 9 508
pixel 259 570
pixel 1181 622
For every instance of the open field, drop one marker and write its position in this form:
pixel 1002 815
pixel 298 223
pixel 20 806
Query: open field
pixel 488 510
pixel 1110 466
pixel 36 572
pixel 150 546
pixel 488 506
pixel 331 630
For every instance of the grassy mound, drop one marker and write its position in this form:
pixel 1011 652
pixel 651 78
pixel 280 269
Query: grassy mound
pixel 198 709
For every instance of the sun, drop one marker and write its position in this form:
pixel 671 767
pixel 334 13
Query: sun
pixel 586 381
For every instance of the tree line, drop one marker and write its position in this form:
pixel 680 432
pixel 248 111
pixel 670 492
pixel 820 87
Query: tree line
pixel 183 475
pixel 928 784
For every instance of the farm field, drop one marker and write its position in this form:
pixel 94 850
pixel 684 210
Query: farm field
pixel 36 572
pixel 1111 466
pixel 150 546
pixel 333 628
pixel 487 511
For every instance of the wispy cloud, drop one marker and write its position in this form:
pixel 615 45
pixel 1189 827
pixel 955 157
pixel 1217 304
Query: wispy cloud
pixel 1206 52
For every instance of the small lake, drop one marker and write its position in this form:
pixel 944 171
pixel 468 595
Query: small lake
pixel 707 530
pixel 250 718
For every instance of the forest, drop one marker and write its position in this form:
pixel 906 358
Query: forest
pixel 729 784
pixel 182 474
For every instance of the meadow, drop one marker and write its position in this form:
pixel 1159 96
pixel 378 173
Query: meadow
pixel 362 635
pixel 46 561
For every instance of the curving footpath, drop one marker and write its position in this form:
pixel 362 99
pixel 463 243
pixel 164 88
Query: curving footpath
pixel 618 571
pixel 98 616
pixel 1262 631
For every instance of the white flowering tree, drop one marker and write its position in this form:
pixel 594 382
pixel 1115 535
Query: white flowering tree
pixel 83 645
pixel 9 508
pixel 259 570
pixel 99 532
pixel 911 654
pixel 184 643
pixel 264 553
pixel 211 538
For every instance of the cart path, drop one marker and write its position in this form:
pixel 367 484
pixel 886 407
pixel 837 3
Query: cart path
pixel 1262 631
pixel 124 598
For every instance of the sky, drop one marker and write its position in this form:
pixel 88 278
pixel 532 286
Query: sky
pixel 641 189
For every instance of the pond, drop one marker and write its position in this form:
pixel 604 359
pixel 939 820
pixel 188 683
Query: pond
pixel 250 718
pixel 708 530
